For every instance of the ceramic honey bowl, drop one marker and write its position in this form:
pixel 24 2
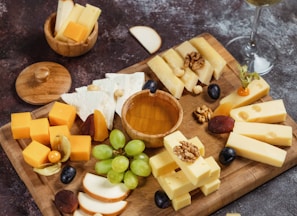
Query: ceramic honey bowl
pixel 68 49
pixel 151 116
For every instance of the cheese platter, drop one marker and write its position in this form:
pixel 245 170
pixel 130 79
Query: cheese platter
pixel 237 179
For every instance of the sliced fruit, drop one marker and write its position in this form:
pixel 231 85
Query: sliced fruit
pixel 101 130
pixel 147 37
pixel 100 188
pixel 93 206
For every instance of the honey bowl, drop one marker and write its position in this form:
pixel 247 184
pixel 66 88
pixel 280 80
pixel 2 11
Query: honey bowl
pixel 68 49
pixel 151 116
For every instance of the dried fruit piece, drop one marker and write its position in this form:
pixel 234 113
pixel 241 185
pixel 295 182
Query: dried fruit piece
pixel 88 128
pixel 66 201
pixel 221 124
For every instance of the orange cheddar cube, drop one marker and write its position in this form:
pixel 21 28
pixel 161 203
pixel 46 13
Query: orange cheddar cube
pixel 39 130
pixel 58 130
pixel 80 147
pixel 76 32
pixel 62 114
pixel 35 154
pixel 20 125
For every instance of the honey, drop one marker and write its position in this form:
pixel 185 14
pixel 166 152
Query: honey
pixel 152 115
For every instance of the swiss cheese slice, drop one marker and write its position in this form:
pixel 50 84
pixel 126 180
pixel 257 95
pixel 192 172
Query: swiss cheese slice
pixel 256 150
pixel 274 134
pixel 266 112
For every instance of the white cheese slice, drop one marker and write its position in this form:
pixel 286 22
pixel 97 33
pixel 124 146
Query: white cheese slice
pixel 266 112
pixel 256 150
pixel 274 134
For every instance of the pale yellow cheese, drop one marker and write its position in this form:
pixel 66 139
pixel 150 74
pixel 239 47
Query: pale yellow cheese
pixel 210 54
pixel 257 88
pixel 72 17
pixel 165 74
pixel 195 171
pixel 176 62
pixel 266 112
pixel 162 163
pixel 210 187
pixel 204 73
pixel 197 142
pixel 233 214
pixel 274 134
pixel 256 150
pixel 181 201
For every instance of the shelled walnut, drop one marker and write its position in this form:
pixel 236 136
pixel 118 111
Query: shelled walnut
pixel 202 114
pixel 194 60
pixel 186 151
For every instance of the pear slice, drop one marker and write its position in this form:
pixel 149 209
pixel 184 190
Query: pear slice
pixel 147 37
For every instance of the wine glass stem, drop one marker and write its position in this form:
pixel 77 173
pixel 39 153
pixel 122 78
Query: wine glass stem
pixel 251 47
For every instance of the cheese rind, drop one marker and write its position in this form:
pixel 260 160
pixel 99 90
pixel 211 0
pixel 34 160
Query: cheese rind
pixel 266 112
pixel 256 150
pixel 274 134
pixel 35 154
pixel 195 171
pixel 20 125
pixel 165 74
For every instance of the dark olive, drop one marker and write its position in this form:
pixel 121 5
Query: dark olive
pixel 214 91
pixel 67 175
pixel 151 85
pixel 227 155
pixel 162 200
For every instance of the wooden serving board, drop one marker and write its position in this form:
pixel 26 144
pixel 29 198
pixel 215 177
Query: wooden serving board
pixel 241 177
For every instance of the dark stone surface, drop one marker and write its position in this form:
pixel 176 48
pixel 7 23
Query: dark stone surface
pixel 22 43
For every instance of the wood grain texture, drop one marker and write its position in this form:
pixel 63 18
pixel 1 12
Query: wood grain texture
pixel 241 177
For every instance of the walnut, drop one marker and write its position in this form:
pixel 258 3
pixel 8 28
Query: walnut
pixel 202 114
pixel 194 61
pixel 186 151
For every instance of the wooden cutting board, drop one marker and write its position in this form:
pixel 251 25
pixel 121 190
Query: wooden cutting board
pixel 241 177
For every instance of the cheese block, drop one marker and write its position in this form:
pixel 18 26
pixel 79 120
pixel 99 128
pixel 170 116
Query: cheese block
pixel 274 134
pixel 181 201
pixel 210 54
pixel 20 125
pixel 35 154
pixel 76 32
pixel 256 150
pixel 210 187
pixel 165 74
pixel 62 114
pixel 80 147
pixel 258 89
pixel 176 62
pixel 39 130
pixel 63 10
pixel 266 112
pixel 72 17
pixel 58 130
pixel 204 73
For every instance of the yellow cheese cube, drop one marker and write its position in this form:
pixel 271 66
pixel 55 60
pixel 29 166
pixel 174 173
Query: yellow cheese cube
pixel 266 112
pixel 35 154
pixel 20 125
pixel 76 32
pixel 181 201
pixel 62 114
pixel 275 134
pixel 58 130
pixel 195 171
pixel 210 187
pixel 39 130
pixel 256 150
pixel 80 147
pixel 162 163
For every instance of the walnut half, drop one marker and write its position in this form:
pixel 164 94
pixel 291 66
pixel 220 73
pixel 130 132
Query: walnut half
pixel 186 151
pixel 202 114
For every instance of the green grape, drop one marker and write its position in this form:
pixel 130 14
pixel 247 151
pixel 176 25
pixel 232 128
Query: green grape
pixel 115 177
pixel 130 180
pixel 140 168
pixel 117 139
pixel 142 156
pixel 102 152
pixel 102 167
pixel 134 147
pixel 120 164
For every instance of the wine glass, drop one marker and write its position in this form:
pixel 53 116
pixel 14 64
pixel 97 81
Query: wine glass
pixel 254 51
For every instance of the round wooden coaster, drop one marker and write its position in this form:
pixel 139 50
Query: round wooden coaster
pixel 43 82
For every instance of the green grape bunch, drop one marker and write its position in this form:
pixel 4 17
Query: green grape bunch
pixel 122 161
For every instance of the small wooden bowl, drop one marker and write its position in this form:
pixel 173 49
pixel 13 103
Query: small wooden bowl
pixel 66 48
pixel 151 116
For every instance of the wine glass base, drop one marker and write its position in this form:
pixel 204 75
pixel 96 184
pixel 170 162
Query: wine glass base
pixel 260 61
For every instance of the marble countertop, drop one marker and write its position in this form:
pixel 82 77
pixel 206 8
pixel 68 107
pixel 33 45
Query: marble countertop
pixel 22 43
